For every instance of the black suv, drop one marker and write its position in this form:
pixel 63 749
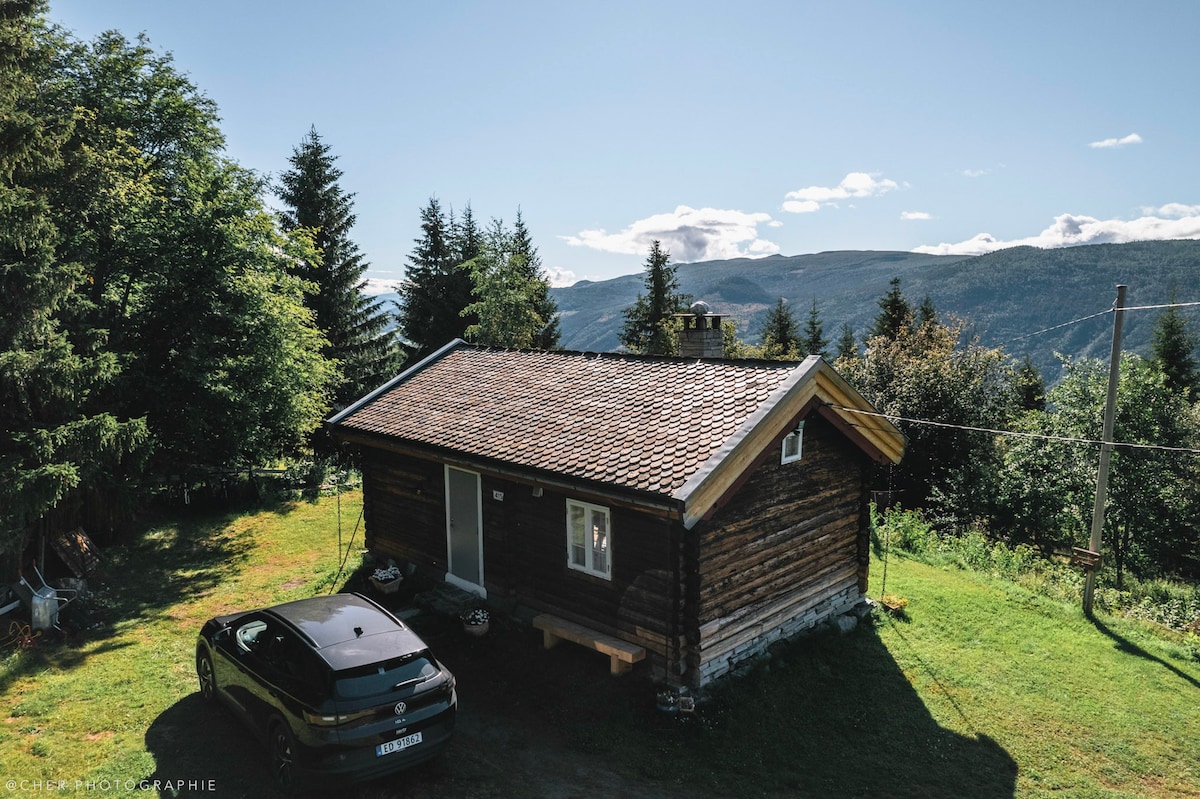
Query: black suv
pixel 335 685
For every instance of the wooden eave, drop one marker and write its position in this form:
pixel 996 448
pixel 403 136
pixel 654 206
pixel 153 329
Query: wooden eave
pixel 813 384
pixel 587 490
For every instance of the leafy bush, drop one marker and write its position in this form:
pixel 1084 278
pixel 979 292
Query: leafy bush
pixel 1170 604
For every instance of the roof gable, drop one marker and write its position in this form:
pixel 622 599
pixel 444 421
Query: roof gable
pixel 670 427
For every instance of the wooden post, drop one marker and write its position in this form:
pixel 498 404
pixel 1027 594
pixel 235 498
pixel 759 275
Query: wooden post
pixel 1110 408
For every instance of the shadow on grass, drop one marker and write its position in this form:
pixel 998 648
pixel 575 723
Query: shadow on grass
pixel 161 563
pixel 836 716
pixel 830 716
pixel 202 750
pixel 1123 644
pixel 187 555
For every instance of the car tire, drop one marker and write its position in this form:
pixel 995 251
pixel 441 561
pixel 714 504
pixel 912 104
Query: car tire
pixel 282 747
pixel 207 677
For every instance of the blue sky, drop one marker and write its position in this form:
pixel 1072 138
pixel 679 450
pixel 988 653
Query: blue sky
pixel 720 129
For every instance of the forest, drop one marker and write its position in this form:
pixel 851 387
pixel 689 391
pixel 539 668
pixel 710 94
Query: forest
pixel 163 328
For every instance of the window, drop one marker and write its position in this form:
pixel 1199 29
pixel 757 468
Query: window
pixel 793 444
pixel 589 539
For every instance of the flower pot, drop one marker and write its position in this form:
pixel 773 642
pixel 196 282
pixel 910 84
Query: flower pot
pixel 477 630
pixel 387 586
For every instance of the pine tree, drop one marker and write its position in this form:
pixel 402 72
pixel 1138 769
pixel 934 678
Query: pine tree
pixel 437 286
pixel 648 327
pixel 1173 348
pixel 357 326
pixel 813 340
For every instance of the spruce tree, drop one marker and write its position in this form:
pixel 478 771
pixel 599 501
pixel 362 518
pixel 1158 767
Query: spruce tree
pixel 895 314
pixel 847 345
pixel 648 328
pixel 357 326
pixel 53 439
pixel 544 305
pixel 437 286
pixel 1174 347
pixel 813 341
pixel 510 295
pixel 781 336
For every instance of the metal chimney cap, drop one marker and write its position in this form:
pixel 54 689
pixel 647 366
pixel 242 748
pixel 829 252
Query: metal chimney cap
pixel 699 308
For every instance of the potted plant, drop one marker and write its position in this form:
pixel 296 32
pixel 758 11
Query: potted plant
pixel 476 621
pixel 387 580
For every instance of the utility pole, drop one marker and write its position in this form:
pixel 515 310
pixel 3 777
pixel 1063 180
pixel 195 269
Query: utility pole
pixel 1110 410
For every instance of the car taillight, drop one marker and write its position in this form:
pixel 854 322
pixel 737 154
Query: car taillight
pixel 336 719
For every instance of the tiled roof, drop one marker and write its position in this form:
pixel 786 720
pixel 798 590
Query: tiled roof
pixel 639 423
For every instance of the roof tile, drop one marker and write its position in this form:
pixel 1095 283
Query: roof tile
pixel 642 423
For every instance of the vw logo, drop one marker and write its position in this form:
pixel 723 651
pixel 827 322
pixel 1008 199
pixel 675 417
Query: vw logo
pixel 400 708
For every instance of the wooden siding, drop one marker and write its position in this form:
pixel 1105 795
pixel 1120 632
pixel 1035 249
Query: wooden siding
pixel 525 549
pixel 787 546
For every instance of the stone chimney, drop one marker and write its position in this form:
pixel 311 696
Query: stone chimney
pixel 701 336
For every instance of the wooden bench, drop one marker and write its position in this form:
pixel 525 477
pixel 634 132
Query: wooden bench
pixel 622 654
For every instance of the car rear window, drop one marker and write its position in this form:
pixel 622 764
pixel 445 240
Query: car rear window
pixel 383 678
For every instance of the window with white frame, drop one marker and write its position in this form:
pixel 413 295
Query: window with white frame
pixel 793 444
pixel 589 538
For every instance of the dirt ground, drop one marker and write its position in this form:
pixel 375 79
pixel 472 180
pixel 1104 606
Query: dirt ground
pixel 523 725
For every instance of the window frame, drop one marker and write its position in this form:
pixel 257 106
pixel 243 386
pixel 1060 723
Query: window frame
pixel 589 567
pixel 796 435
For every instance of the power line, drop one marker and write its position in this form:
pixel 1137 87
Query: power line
pixel 1099 314
pixel 1056 327
pixel 1014 433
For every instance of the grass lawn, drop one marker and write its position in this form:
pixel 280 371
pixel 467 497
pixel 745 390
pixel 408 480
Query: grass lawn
pixel 985 690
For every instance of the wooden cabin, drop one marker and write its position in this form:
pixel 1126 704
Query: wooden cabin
pixel 694 509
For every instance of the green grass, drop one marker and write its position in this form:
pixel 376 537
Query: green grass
pixel 81 710
pixel 985 689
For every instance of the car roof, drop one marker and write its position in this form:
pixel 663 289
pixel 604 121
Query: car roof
pixel 348 630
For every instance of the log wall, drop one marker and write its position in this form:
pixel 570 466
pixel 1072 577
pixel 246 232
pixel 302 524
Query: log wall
pixel 781 555
pixel 525 550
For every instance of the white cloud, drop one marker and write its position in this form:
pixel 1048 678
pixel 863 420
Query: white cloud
pixel 855 184
pixel 1175 210
pixel 1071 230
pixel 378 285
pixel 911 215
pixel 689 234
pixel 802 207
pixel 560 277
pixel 1105 144
pixel 975 173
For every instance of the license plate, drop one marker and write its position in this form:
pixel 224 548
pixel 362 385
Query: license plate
pixel 398 744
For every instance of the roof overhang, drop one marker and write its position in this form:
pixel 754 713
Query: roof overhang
pixel 814 384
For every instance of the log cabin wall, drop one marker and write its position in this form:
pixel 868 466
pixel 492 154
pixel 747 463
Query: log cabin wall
pixel 781 555
pixel 404 508
pixel 525 549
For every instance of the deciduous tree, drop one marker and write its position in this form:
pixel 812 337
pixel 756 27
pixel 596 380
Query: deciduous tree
pixel 510 294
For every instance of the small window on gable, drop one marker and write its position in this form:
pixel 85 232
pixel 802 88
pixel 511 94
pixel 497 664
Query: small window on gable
pixel 793 445
pixel 589 539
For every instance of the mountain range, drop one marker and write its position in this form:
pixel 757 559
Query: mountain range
pixel 1025 299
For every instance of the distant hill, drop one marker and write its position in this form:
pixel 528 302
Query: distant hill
pixel 1003 295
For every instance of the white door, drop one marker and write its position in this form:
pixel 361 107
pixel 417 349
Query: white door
pixel 464 530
